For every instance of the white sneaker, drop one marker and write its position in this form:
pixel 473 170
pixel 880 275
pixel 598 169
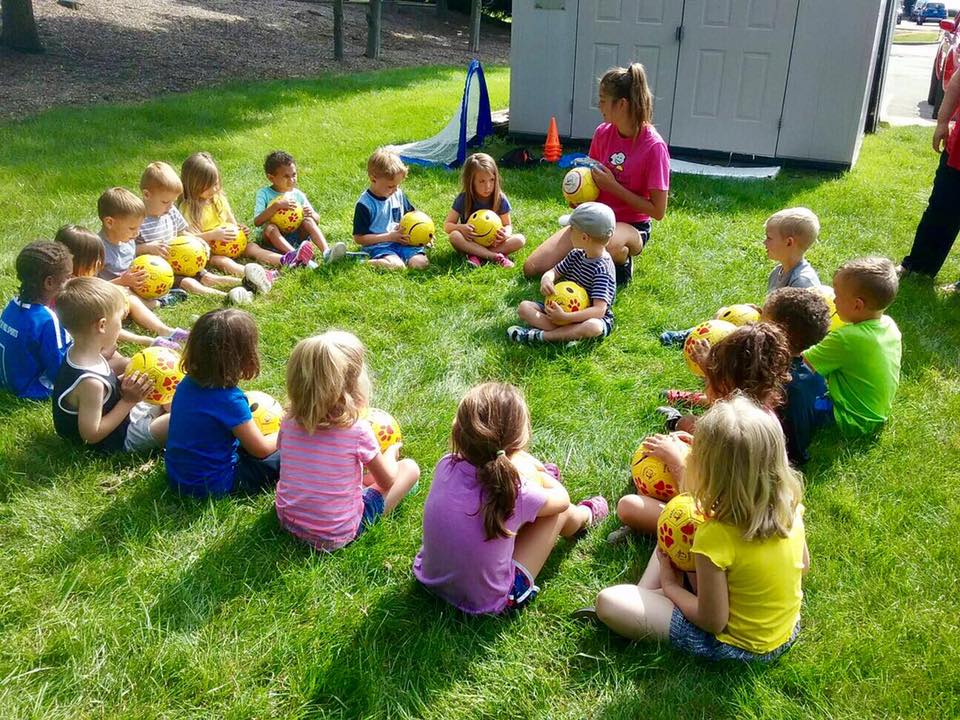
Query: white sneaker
pixel 256 277
pixel 239 296
pixel 335 252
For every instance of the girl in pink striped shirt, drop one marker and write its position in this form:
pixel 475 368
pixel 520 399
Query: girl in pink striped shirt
pixel 325 446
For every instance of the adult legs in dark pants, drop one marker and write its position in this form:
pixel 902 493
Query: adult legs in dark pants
pixel 939 225
pixel 253 474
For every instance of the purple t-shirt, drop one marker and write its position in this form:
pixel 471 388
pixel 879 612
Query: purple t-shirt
pixel 456 561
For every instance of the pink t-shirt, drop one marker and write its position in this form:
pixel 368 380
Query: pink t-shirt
pixel 319 494
pixel 456 561
pixel 640 164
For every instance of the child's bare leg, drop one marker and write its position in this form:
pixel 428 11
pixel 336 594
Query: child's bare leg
pixel 262 255
pixel 418 262
pixel 575 331
pixel 533 316
pixel 469 247
pixel 194 287
pixel 225 264
pixel 576 518
pixel 650 580
pixel 159 428
pixel 535 541
pixel 510 245
pixel 635 612
pixel 408 473
pixel 312 230
pixel 388 262
pixel 273 235
pixel 135 338
pixel 145 317
pixel 640 513
pixel 212 280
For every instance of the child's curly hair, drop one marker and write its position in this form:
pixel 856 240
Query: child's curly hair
pixel 754 360
pixel 801 313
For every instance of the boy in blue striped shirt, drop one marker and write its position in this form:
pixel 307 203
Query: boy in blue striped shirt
pixel 590 266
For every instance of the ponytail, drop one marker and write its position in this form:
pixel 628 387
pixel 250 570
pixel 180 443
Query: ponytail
pixel 501 482
pixel 630 84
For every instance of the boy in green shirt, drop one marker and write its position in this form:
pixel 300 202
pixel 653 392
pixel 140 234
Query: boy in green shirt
pixel 861 360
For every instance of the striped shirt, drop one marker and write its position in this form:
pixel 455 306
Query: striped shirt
pixel 162 228
pixel 595 275
pixel 319 495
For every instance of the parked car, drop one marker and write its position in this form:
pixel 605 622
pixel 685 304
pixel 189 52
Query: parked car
pixel 929 11
pixel 945 63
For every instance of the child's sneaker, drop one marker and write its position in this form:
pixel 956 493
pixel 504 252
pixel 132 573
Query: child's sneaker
pixel 303 255
pixel 689 398
pixel 239 296
pixel 598 508
pixel 179 335
pixel 474 260
pixel 524 335
pixel 671 416
pixel 255 278
pixel 172 298
pixel 334 252
pixel 165 343
pixel 671 338
pixel 272 276
pixel 503 261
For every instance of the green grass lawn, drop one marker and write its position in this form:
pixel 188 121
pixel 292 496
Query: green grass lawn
pixel 120 599
pixel 915 37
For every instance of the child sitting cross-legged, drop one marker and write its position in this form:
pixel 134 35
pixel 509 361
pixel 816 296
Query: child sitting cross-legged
pixel 325 447
pixel 590 266
pixel 488 529
pixel 750 552
pixel 91 405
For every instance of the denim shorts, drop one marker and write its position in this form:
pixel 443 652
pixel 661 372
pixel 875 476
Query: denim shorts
pixel 524 589
pixel 373 507
pixel 404 252
pixel 686 636
pixel 607 321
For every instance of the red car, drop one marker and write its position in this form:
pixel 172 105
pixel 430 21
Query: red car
pixel 945 63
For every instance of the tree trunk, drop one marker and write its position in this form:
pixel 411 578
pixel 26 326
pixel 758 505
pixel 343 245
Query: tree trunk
pixel 19 26
pixel 476 11
pixel 442 8
pixel 338 29
pixel 373 29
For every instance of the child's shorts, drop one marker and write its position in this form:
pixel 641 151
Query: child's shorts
pixel 642 227
pixel 177 279
pixel 823 411
pixel 139 438
pixel 686 636
pixel 524 589
pixel 607 321
pixel 373 507
pixel 404 252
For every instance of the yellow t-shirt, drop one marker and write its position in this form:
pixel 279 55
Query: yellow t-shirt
pixel 216 213
pixel 763 582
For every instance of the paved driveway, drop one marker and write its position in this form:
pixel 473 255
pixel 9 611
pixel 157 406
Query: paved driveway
pixel 908 80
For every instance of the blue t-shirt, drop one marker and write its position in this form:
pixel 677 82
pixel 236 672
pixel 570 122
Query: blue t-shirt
pixel 375 215
pixel 33 344
pixel 796 414
pixel 267 195
pixel 595 275
pixel 479 204
pixel 201 455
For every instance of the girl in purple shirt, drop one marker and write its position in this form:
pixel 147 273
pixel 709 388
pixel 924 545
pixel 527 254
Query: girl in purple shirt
pixel 487 529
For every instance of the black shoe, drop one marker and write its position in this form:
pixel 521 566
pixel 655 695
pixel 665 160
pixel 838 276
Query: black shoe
pixel 172 298
pixel 584 613
pixel 624 272
pixel 671 416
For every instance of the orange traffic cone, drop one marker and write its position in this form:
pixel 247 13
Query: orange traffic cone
pixel 551 148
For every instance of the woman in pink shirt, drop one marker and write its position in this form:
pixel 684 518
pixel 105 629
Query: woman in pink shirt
pixel 325 446
pixel 631 168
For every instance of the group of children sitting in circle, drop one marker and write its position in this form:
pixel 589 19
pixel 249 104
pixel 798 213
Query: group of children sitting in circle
pixel 494 512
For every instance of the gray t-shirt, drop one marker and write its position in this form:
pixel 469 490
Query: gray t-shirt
pixel 802 276
pixel 116 258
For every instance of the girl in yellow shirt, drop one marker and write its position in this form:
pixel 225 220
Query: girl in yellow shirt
pixel 751 550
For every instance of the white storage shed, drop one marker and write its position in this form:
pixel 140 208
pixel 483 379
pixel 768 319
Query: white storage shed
pixel 787 79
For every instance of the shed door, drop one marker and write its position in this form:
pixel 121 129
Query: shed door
pixel 612 33
pixel 734 56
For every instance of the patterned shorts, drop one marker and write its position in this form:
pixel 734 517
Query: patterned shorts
pixel 686 636
pixel 523 591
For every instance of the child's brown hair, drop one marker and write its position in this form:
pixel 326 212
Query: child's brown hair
pixel 754 360
pixel 198 174
pixel 84 246
pixel 119 202
pixel 479 162
pixel 493 423
pixel 222 349
pixel 874 279
pixel 161 176
pixel 38 261
pixel 801 313
pixel 630 84
pixel 386 164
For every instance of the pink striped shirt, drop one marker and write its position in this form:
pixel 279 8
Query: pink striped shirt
pixel 319 495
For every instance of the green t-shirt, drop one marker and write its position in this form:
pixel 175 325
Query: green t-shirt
pixel 861 364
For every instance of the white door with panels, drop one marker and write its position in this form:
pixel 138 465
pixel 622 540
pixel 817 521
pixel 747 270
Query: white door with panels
pixel 732 74
pixel 613 33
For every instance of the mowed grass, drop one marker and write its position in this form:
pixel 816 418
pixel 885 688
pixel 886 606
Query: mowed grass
pixel 120 599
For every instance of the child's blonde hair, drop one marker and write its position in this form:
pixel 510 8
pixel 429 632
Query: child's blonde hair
pixel 385 163
pixel 738 470
pixel 119 202
pixel 874 279
pixel 800 223
pixel 84 246
pixel 161 176
pixel 198 174
pixel 327 381
pixel 86 300
pixel 479 162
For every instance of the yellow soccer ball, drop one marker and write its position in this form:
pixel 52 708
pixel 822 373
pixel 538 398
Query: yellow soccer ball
pixel 163 367
pixel 418 227
pixel 713 331
pixel 570 296
pixel 579 186
pixel 651 477
pixel 385 427
pixel 188 255
pixel 159 276
pixel 287 221
pixel 267 412
pixel 676 527
pixel 230 248
pixel 741 314
pixel 486 224
pixel 830 296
